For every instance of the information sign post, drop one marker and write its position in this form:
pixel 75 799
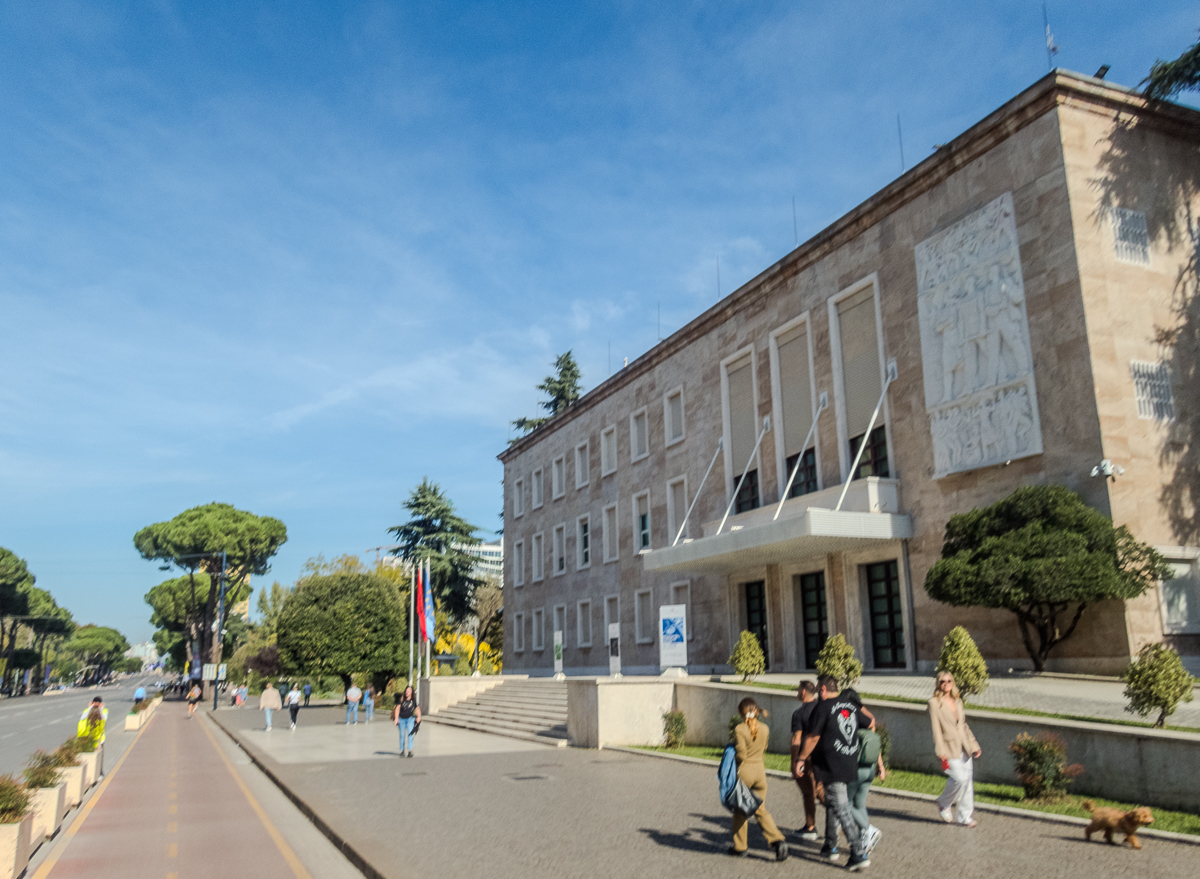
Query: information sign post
pixel 614 649
pixel 672 639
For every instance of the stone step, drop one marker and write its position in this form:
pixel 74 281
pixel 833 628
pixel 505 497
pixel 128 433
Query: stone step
pixel 549 738
pixel 494 714
pixel 517 702
pixel 529 725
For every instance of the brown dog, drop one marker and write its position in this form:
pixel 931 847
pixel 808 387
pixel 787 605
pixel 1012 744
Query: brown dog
pixel 1109 820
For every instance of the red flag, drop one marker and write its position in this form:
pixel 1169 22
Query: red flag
pixel 420 597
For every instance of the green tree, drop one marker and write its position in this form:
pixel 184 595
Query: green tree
pixel 1169 78
pixel 178 611
pixel 747 658
pixel 48 625
pixel 1044 555
pixel 270 603
pixel 837 658
pixel 563 389
pixel 341 624
pixel 436 532
pixel 193 542
pixel 15 580
pixel 1157 681
pixel 963 660
pixel 97 648
pixel 486 605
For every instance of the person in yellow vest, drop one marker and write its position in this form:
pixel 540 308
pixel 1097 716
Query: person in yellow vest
pixel 93 723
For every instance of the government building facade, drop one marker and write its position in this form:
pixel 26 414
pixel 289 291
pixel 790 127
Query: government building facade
pixel 1012 311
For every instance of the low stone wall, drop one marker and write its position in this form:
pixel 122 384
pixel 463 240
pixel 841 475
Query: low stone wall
pixel 625 711
pixel 439 691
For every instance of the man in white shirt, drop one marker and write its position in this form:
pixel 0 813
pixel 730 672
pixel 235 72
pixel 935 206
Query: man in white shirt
pixel 353 695
pixel 293 703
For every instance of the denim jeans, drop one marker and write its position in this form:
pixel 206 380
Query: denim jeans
pixel 406 733
pixel 369 705
pixel 267 711
pixel 837 811
pixel 351 712
pixel 857 794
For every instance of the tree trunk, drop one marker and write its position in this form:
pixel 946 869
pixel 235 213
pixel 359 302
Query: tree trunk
pixel 1043 618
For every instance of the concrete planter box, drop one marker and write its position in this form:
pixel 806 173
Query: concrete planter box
pixel 607 711
pixel 89 762
pixel 15 847
pixel 72 777
pixel 133 722
pixel 48 807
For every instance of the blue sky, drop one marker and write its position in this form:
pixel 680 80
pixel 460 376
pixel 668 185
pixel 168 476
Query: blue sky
pixel 296 256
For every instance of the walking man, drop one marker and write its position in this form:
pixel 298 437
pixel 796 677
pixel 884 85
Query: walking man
pixel 807 694
pixel 293 703
pixel 307 692
pixel 352 697
pixel 269 702
pixel 831 741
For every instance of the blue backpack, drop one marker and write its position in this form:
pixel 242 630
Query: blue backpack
pixel 727 774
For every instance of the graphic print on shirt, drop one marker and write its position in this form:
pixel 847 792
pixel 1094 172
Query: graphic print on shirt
pixel 847 723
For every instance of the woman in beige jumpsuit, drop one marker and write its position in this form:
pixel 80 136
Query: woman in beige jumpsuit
pixel 750 741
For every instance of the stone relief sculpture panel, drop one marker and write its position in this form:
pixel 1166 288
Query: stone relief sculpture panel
pixel 979 389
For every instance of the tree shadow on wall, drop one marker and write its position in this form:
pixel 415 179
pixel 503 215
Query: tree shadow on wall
pixel 1164 183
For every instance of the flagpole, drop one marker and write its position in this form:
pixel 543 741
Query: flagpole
pixel 412 616
pixel 428 628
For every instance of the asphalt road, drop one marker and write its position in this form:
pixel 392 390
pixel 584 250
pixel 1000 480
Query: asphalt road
pixel 28 723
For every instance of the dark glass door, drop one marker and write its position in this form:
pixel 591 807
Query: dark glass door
pixel 887 615
pixel 809 593
pixel 756 615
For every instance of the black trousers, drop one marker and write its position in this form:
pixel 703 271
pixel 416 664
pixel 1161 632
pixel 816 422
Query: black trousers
pixel 294 711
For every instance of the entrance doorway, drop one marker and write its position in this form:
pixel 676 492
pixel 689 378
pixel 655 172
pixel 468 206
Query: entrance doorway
pixel 808 592
pixel 756 615
pixel 887 614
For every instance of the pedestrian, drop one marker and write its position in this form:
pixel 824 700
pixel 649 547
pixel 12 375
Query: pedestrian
pixel 139 695
pixel 406 714
pixel 369 701
pixel 870 764
pixel 193 698
pixel 243 695
pixel 307 693
pixel 93 723
pixel 293 703
pixel 807 694
pixel 956 747
pixel 352 696
pixel 269 702
pixel 750 741
pixel 831 744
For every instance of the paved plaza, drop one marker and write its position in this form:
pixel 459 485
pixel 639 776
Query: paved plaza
pixel 474 805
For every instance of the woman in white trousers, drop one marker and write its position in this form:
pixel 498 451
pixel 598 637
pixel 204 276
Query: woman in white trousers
pixel 956 747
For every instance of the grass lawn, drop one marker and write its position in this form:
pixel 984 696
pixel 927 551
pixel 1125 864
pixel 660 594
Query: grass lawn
pixel 1027 712
pixel 1000 794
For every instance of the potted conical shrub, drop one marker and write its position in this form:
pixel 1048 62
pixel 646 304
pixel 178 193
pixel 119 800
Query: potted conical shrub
pixel 16 827
pixel 49 795
pixel 70 771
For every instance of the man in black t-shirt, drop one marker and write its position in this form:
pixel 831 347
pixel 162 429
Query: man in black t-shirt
pixel 807 694
pixel 831 749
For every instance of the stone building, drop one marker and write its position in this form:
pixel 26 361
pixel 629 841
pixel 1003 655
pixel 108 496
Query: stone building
pixel 1012 311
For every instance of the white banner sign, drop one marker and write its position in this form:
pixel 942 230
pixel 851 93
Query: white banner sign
pixel 558 652
pixel 210 671
pixel 672 636
pixel 614 648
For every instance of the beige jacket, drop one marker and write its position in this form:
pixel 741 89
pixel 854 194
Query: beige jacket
pixel 951 735
pixel 750 750
pixel 270 699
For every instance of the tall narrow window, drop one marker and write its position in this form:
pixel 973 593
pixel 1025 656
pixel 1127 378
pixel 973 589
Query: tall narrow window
pixel 560 549
pixel 643 617
pixel 887 614
pixel 673 416
pixel 608 450
pixel 582 470
pixel 518 504
pixel 809 596
pixel 537 554
pixel 583 543
pixel 518 563
pixel 742 431
pixel 612 536
pixel 538 497
pixel 612 613
pixel 519 633
pixel 806 477
pixel 559 477
pixel 560 622
pixel 583 623
pixel 756 615
pixel 539 635
pixel 862 381
pixel 677 505
pixel 796 410
pixel 1131 240
pixel 639 435
pixel 681 593
pixel 641 521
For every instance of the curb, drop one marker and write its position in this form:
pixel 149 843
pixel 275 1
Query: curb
pixel 1011 811
pixel 340 843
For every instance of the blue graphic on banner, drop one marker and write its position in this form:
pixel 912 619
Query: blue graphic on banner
pixel 672 631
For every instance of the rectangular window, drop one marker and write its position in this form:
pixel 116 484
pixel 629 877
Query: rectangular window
pixel 643 617
pixel 583 623
pixel 538 557
pixel 1131 240
pixel 583 543
pixel 861 375
pixel 677 504
pixel 806 476
pixel 874 460
pixel 608 451
pixel 612 537
pixel 796 408
pixel 560 549
pixel 558 479
pixel 536 480
pixel 639 435
pixel 518 498
pixel 742 430
pixel 519 633
pixel 747 496
pixel 887 614
pixel 641 521
pixel 756 614
pixel 681 593
pixel 1180 598
pixel 582 470
pixel 612 613
pixel 673 416
pixel 539 636
pixel 518 563
pixel 1152 390
pixel 808 591
pixel 560 623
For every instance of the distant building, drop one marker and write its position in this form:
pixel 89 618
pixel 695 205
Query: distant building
pixel 146 652
pixel 491 559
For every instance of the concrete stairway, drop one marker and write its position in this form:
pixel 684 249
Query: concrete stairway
pixel 532 710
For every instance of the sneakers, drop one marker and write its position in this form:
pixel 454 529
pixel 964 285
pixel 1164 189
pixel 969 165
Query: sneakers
pixel 410 753
pixel 781 850
pixel 737 854
pixel 830 852
pixel 857 863
pixel 947 815
pixel 808 834
pixel 293 726
pixel 873 835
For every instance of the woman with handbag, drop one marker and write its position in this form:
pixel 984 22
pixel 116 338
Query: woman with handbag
pixel 406 714
pixel 750 740
pixel 956 747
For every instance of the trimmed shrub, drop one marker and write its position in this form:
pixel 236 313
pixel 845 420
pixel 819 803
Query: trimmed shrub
pixel 41 771
pixel 885 744
pixel 1041 764
pixel 14 800
pixel 747 659
pixel 962 659
pixel 674 728
pixel 733 724
pixel 1156 680
pixel 67 753
pixel 837 658
pixel 88 743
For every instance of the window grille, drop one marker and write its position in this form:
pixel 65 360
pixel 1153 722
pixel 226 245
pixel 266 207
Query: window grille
pixel 1152 390
pixel 1131 240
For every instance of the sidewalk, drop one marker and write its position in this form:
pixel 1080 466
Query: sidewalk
pixel 174 806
